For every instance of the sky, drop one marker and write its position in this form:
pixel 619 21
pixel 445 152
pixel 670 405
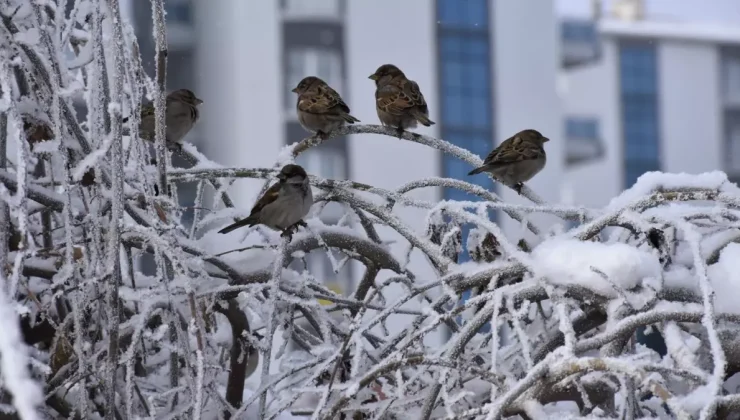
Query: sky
pixel 725 12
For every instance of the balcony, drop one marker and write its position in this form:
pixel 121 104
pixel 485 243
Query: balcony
pixel 580 43
pixel 583 143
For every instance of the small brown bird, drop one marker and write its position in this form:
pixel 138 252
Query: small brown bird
pixel 284 205
pixel 517 160
pixel 320 108
pixel 181 114
pixel 398 100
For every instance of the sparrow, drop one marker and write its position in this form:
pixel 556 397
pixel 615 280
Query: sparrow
pixel 398 100
pixel 283 206
pixel 181 115
pixel 516 160
pixel 320 108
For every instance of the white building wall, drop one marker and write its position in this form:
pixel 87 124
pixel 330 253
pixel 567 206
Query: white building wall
pixel 239 60
pixel 380 160
pixel 526 64
pixel 689 114
pixel 690 110
pixel 594 90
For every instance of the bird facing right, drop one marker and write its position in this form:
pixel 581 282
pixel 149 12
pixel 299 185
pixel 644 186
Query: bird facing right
pixel 517 159
pixel 283 206
pixel 398 100
pixel 320 108
pixel 181 114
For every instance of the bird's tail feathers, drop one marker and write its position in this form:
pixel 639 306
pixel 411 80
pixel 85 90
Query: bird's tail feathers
pixel 477 170
pixel 249 221
pixel 423 119
pixel 349 118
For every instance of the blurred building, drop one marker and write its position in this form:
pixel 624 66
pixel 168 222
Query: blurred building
pixel 658 95
pixel 484 74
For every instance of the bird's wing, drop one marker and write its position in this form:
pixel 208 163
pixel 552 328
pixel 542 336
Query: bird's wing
pixel 268 197
pixel 416 98
pixel 397 98
pixel 325 101
pixel 512 150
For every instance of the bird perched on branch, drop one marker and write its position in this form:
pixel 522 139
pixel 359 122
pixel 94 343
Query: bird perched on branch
pixel 398 100
pixel 517 160
pixel 181 114
pixel 283 206
pixel 320 108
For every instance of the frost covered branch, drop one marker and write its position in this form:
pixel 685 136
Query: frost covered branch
pixel 116 306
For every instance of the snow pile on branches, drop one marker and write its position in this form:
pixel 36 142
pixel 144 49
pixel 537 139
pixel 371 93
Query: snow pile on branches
pixel 89 331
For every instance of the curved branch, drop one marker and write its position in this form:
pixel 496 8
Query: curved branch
pixel 355 247
pixel 425 140
pixel 239 358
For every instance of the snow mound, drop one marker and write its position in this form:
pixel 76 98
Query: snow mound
pixel 725 279
pixel 570 262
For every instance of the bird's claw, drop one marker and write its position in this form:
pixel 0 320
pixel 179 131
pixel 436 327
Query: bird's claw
pixel 288 232
pixel 175 147
pixel 399 132
pixel 518 188
pixel 323 136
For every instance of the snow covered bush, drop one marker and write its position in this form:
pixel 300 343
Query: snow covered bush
pixel 88 332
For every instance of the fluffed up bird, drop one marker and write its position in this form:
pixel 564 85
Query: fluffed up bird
pixel 283 206
pixel 320 108
pixel 181 114
pixel 398 100
pixel 517 160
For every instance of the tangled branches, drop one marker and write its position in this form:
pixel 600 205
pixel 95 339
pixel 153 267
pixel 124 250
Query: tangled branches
pixel 547 321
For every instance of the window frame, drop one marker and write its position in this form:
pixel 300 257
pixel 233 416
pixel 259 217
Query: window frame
pixel 313 59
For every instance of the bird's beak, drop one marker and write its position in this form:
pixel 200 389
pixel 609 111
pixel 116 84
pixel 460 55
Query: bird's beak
pixel 295 90
pixel 281 177
pixel 373 77
pixel 198 101
pixel 545 139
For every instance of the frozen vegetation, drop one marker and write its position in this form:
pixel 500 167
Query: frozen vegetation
pixel 87 331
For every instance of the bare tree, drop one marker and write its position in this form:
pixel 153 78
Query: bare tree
pixel 86 333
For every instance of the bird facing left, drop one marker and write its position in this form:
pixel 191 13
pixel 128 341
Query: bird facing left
pixel 320 108
pixel 181 115
pixel 283 206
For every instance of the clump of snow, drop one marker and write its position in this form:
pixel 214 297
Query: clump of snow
pixel 725 279
pixel 570 262
pixel 652 181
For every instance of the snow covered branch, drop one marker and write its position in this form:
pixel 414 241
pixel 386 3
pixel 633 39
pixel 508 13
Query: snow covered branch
pixel 118 306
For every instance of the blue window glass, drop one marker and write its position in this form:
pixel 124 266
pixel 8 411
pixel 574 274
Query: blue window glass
pixel 578 31
pixel 178 11
pixel 465 95
pixel 639 95
pixel 463 13
pixel 582 127
pixel 466 106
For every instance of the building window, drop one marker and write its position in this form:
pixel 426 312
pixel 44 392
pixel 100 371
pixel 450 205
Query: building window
pixel 466 106
pixel 730 87
pixel 301 62
pixel 463 14
pixel 579 31
pixel 326 162
pixel 583 141
pixel 582 127
pixel 465 89
pixel 640 121
pixel 178 11
pixel 731 76
pixel 312 8
pixel 732 135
